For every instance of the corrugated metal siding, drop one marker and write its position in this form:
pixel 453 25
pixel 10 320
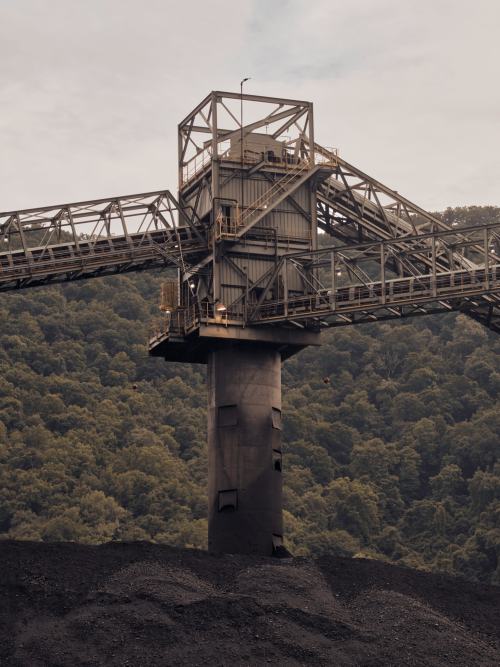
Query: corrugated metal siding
pixel 285 219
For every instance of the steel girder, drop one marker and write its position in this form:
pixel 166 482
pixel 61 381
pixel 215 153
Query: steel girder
pixel 95 238
pixel 411 262
pixel 389 259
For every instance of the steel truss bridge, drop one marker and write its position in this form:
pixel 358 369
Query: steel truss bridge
pixel 387 258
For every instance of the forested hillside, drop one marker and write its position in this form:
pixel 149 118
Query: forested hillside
pixel 394 456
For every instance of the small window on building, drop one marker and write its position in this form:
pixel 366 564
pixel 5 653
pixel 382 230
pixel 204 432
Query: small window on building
pixel 277 460
pixel 276 418
pixel 228 415
pixel 228 500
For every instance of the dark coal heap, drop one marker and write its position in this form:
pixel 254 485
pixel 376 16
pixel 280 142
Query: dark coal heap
pixel 141 604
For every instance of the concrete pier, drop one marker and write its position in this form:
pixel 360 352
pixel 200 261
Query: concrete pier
pixel 244 450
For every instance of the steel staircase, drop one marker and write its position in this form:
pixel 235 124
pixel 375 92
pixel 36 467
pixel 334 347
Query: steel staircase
pixel 263 205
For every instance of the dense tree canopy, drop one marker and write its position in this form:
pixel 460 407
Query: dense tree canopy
pixel 397 457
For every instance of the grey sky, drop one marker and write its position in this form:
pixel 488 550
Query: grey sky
pixel 91 91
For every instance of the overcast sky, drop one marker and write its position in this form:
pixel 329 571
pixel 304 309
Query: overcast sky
pixel 91 91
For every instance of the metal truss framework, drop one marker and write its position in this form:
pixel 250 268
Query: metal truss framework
pixel 96 238
pixel 210 131
pixel 358 283
pixel 414 259
pixel 389 258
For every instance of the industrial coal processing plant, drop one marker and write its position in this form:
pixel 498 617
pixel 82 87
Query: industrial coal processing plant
pixel 274 238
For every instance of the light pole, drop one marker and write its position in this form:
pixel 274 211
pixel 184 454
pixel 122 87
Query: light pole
pixel 241 141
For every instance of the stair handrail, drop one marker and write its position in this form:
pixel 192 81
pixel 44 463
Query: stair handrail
pixel 250 210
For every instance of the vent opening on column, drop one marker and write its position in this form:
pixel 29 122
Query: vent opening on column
pixel 228 500
pixel 277 465
pixel 227 415
pixel 276 418
pixel 279 549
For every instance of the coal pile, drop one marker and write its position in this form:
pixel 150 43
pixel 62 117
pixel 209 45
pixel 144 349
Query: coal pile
pixel 145 605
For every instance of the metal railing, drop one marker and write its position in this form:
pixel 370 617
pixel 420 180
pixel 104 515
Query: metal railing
pixel 95 237
pixel 446 266
pixel 394 292
pixel 183 321
pixel 328 156
pixel 196 165
pixel 72 259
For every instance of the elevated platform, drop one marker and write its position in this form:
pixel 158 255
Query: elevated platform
pixel 196 346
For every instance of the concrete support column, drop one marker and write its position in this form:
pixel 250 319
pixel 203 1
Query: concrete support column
pixel 244 450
